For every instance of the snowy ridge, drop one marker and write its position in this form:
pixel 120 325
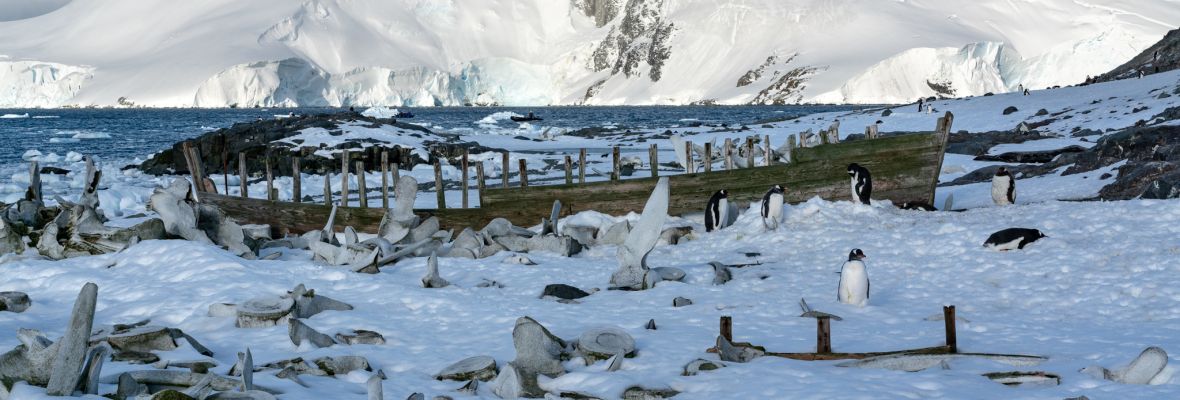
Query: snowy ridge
pixel 541 52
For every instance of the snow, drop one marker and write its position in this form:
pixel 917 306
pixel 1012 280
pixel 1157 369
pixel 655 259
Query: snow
pixel 538 52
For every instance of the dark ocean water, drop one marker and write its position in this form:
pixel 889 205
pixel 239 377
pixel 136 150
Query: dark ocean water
pixel 130 133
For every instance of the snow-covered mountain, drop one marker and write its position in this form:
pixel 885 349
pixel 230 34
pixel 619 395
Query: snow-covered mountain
pixel 537 52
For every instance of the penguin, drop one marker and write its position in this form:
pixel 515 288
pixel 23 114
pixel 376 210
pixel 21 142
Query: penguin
pixel 772 207
pixel 717 211
pixel 862 183
pixel 918 206
pixel 1003 187
pixel 854 280
pixel 1012 239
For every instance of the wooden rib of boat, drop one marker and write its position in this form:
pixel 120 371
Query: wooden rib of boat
pixel 905 168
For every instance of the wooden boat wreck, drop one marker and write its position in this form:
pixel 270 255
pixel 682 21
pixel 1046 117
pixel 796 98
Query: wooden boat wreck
pixel 905 168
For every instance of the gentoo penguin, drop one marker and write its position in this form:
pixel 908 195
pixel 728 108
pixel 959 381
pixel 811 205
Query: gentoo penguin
pixel 1012 238
pixel 862 183
pixel 717 211
pixel 772 207
pixel 854 280
pixel 1003 187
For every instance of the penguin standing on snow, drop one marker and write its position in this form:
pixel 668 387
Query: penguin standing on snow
pixel 1012 238
pixel 772 207
pixel 854 280
pixel 717 211
pixel 862 183
pixel 1003 187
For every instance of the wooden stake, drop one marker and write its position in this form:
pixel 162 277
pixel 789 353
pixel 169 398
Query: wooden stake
pixel 327 188
pixel 728 154
pixel 270 181
pixel 791 148
pixel 504 168
pixel 395 173
pixel 823 335
pixel 296 181
pixel 948 316
pixel 653 156
pixel 479 184
pixel 688 169
pixel 581 166
pixel 360 184
pixel 708 157
pixel 384 179
pixel 344 179
pixel 769 151
pixel 727 327
pixel 242 174
pixel 749 152
pixel 439 192
pixel 569 170
pixel 524 174
pixel 616 164
pixel 463 185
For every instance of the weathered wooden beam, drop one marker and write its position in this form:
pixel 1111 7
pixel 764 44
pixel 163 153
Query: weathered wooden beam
pixel 727 327
pixel 243 184
pixel 479 182
pixel 616 164
pixel 298 218
pixel 524 173
pixel 653 157
pixel 440 192
pixel 769 151
pixel 296 181
pixel 749 152
pixel 942 131
pixel 395 172
pixel 362 193
pixel 728 154
pixel 327 188
pixel 270 179
pixel 708 157
pixel 948 316
pixel 463 185
pixel 791 148
pixel 823 335
pixel 569 170
pixel 581 166
pixel 344 178
pixel 384 179
pixel 504 168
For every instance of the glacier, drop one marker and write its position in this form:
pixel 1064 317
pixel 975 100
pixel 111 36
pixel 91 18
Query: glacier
pixel 219 53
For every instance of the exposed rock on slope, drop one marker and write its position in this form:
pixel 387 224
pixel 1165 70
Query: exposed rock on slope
pixel 1167 50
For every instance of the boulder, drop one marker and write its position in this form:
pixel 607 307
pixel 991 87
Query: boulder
pixel 563 291
pixel 16 302
pixel 10 240
pixel 1010 109
pixel 681 302
pixel 481 368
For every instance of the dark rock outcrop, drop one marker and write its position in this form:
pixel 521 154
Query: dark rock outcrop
pixel 1042 156
pixel 1167 50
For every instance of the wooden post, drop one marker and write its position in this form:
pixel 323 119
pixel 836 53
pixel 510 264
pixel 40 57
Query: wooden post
pixel 654 159
pixel 270 183
pixel 769 151
pixel 948 316
pixel 688 157
pixel 708 157
pixel 463 185
pixel 823 335
pixel 360 184
pixel 186 149
pixel 344 179
pixel 395 173
pixel 296 181
pixel 569 170
pixel 439 192
pixel 479 184
pixel 504 168
pixel 749 152
pixel 823 136
pixel 727 327
pixel 728 154
pixel 327 188
pixel 242 174
pixel 617 167
pixel 524 173
pixel 581 166
pixel 791 148
pixel 384 179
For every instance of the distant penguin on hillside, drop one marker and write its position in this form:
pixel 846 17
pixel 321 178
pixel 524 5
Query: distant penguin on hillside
pixel 772 207
pixel 854 280
pixel 1003 187
pixel 1012 239
pixel 862 183
pixel 717 211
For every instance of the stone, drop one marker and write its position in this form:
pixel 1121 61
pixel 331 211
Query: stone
pixel 669 273
pixel 128 388
pixel 10 240
pixel 700 364
pixel 604 343
pixel 1010 109
pixel 538 352
pixel 262 312
pixel 360 336
pixel 142 339
pixel 641 393
pixel 721 273
pixel 633 272
pixel 479 368
pixel 563 291
pixel 16 302
pixel 300 332
pixel 169 394
pixel 71 352
pixel 729 352
pixel 681 302
pixel 432 279
pixel 651 325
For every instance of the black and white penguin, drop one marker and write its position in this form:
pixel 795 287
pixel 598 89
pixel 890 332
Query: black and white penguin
pixel 772 207
pixel 717 211
pixel 854 280
pixel 1012 238
pixel 862 183
pixel 1003 187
